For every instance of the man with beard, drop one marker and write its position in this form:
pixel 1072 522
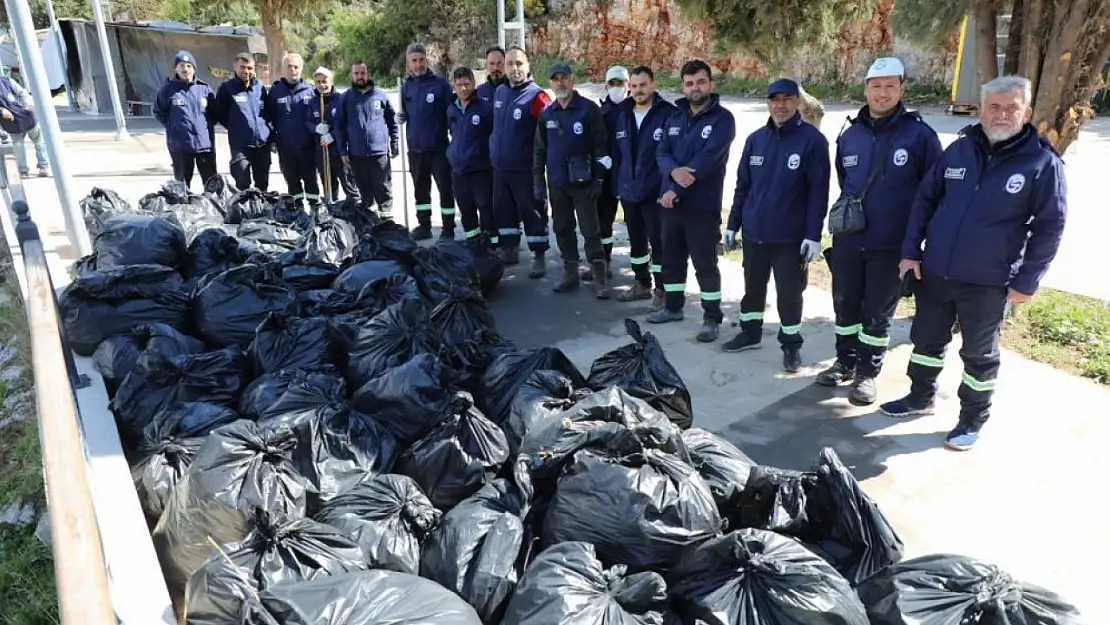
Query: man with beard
pixel 366 136
pixel 241 108
pixel 424 101
pixel 183 107
pixel 880 160
pixel 324 99
pixel 782 195
pixel 693 155
pixel 516 107
pixel 290 98
pixel 991 214
pixel 495 73
pixel 470 119
pixel 638 131
pixel 616 90
pixel 572 146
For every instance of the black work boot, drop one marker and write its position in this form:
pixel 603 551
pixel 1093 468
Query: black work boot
pixel 539 266
pixel 864 391
pixel 510 255
pixel 710 330
pixel 601 280
pixel 638 291
pixel 791 358
pixel 423 232
pixel 742 342
pixel 570 280
pixel 837 374
pixel 447 233
pixel 658 299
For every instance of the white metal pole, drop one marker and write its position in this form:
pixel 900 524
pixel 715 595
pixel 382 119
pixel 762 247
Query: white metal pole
pixel 501 23
pixel 110 70
pixel 404 167
pixel 520 23
pixel 23 29
pixel 62 60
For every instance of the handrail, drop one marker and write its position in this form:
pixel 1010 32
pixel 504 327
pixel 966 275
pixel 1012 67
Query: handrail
pixel 80 570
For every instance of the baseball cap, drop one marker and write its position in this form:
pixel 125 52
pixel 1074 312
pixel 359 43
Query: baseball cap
pixel 559 67
pixel 322 70
pixel 184 56
pixel 784 86
pixel 885 66
pixel 617 72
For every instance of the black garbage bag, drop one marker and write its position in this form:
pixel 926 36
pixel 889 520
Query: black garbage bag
pixel 355 276
pixel 250 204
pixel 112 302
pixel 755 577
pixel 388 516
pixel 443 268
pixel 385 292
pixel 409 399
pixel 643 370
pixel 290 211
pixel 825 508
pixel 292 395
pixel 304 272
pixel 278 550
pixel 510 371
pixel 459 316
pixel 269 237
pixel 566 584
pixel 367 345
pixel 100 204
pixel 724 468
pixel 117 355
pixel 945 589
pixel 332 240
pixel 352 212
pixel 129 239
pixel 470 358
pixel 282 342
pixel 386 241
pixel 240 468
pixel 487 263
pixel 544 396
pixel 326 302
pixel 643 510
pixel 227 307
pixel 363 598
pixel 461 454
pixel 480 547
pixel 212 251
pixel 340 449
pixel 171 192
pixel 168 445
pixel 220 188
pixel 159 380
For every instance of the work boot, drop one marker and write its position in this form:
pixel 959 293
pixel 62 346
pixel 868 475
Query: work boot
pixel 570 279
pixel 447 234
pixel 539 266
pixel 863 392
pixel 665 316
pixel 658 299
pixel 601 282
pixel 637 292
pixel 837 374
pixel 422 233
pixel 908 406
pixel 742 342
pixel 510 255
pixel 587 274
pixel 710 330
pixel 791 358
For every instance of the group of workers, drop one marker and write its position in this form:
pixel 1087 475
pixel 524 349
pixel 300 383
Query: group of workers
pixel 968 229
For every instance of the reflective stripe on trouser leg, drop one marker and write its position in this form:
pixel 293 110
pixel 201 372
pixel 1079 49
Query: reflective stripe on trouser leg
pixel 470 234
pixel 640 269
pixel 923 370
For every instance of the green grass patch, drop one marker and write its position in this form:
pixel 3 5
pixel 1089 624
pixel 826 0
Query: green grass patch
pixel 916 93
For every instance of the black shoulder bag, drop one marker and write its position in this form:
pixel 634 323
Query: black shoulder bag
pixel 846 215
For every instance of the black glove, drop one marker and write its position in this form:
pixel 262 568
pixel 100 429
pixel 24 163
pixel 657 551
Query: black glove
pixel 539 189
pixel 595 189
pixel 394 150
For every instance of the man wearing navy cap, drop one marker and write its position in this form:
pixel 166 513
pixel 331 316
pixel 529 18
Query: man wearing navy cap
pixel 782 194
pixel 184 106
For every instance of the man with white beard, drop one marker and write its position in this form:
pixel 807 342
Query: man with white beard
pixel 991 214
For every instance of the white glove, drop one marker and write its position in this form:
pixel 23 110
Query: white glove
pixel 606 162
pixel 326 139
pixel 322 129
pixel 810 250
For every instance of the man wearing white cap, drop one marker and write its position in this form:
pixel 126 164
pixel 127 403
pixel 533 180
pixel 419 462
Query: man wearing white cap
pixel 880 160
pixel 616 90
pixel 335 175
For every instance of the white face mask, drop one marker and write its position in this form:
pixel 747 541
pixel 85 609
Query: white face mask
pixel 617 94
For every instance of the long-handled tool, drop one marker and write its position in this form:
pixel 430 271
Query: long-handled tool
pixel 404 166
pixel 327 158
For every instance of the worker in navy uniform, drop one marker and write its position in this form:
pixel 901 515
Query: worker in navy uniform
pixel 991 215
pixel 325 98
pixel 241 109
pixel 782 194
pixel 516 107
pixel 470 122
pixel 572 146
pixel 366 136
pixel 424 101
pixel 495 72
pixel 290 98
pixel 616 91
pixel 692 158
pixel 185 106
pixel 638 131
pixel 881 158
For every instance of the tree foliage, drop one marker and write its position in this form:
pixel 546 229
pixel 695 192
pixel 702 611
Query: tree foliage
pixel 928 22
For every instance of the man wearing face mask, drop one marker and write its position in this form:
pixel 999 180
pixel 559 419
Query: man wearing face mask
pixel 572 146
pixel 241 108
pixel 290 98
pixel 692 157
pixel 782 195
pixel 616 90
pixel 495 73
pixel 424 101
pixel 320 128
pixel 183 107
pixel 991 214
pixel 880 159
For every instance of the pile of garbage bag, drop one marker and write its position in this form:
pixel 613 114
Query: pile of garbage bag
pixel 325 427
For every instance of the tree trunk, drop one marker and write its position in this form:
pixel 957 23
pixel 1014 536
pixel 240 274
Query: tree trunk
pixel 1035 16
pixel 986 39
pixel 274 31
pixel 1013 40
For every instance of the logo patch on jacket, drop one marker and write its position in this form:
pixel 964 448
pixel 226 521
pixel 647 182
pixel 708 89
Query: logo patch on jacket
pixel 1015 183
pixel 498 104
pixel 516 113
pixel 621 134
pixel 673 131
pixel 240 97
pixel 755 161
pixel 431 97
pixel 901 157
pixel 377 104
pixel 283 100
pixel 955 173
pixel 793 161
pixel 181 101
pixel 658 134
pixel 552 124
pixel 578 129
pixel 475 120
pixel 851 160
pixel 705 132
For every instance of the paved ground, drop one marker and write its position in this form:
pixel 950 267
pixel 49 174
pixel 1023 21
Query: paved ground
pixel 1025 499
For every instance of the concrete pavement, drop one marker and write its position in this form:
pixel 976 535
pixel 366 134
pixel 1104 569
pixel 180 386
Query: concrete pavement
pixel 1025 498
